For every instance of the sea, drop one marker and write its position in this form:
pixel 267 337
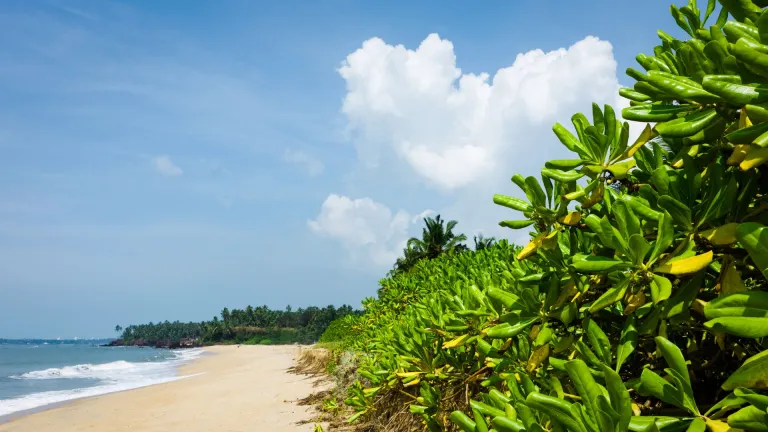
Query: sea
pixel 36 373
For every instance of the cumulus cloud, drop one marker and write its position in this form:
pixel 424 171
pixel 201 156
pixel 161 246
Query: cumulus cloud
pixel 367 229
pixel 313 166
pixel 414 112
pixel 455 129
pixel 164 166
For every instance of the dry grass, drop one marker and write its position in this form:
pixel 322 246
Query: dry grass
pixel 312 361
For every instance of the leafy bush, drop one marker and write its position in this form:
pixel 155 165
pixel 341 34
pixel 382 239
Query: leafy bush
pixel 641 301
pixel 265 342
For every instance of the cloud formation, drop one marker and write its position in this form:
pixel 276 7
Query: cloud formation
pixel 313 166
pixel 453 128
pixel 164 166
pixel 463 134
pixel 367 229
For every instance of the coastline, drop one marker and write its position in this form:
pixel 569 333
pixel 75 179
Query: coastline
pixel 237 388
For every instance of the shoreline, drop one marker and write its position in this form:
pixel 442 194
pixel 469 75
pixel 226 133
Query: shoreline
pixel 226 388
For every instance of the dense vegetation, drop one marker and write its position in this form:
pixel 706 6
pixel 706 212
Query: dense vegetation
pixel 249 325
pixel 640 302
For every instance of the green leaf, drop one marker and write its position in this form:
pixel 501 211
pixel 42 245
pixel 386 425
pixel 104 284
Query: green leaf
pixel 639 247
pixel 664 237
pixel 721 204
pixel 680 212
pixel 754 238
pixel 628 223
pixel 535 193
pixel 558 410
pixel 752 374
pixel 598 340
pixel 661 288
pixel 748 303
pixel 681 302
pixel 674 357
pixel 596 264
pixel 610 296
pixel 749 418
pixel 595 224
pixel 697 425
pixel 585 384
pixel 627 343
pixel 756 399
pixel 748 327
pixel 516 224
pixel 679 370
pixel 727 402
pixel 656 423
pixel 605 416
pixel 652 384
pixel 620 400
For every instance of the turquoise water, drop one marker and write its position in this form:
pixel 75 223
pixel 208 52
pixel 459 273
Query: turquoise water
pixel 38 373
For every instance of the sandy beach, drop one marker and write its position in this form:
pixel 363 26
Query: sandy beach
pixel 238 389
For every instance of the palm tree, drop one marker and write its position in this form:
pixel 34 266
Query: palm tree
pixel 407 261
pixel 118 329
pixel 483 242
pixel 436 238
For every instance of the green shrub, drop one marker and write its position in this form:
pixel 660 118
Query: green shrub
pixel 265 342
pixel 641 301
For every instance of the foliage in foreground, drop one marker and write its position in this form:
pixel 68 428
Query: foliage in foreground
pixel 641 302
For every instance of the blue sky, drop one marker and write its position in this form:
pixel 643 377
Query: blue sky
pixel 162 160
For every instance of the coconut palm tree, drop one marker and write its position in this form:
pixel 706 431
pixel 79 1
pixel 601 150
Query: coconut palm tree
pixel 483 242
pixel 437 238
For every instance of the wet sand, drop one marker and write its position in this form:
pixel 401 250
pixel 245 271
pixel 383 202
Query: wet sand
pixel 237 389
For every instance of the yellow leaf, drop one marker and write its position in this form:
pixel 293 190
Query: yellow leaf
pixel 412 383
pixel 596 197
pixel 755 157
pixel 691 151
pixel 408 374
pixel 730 279
pixel 744 121
pixel 634 301
pixel 550 241
pixel 644 137
pixel 721 236
pixel 686 266
pixel 621 170
pixel 538 356
pixel 568 291
pixel 739 153
pixel 718 426
pixel 531 248
pixel 455 342
pixel 698 305
pixel 571 218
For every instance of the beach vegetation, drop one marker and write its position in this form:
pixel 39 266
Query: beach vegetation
pixel 640 302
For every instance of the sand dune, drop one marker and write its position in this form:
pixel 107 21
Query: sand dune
pixel 238 389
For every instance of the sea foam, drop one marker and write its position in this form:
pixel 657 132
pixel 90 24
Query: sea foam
pixel 110 377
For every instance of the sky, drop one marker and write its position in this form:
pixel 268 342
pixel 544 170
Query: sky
pixel 164 160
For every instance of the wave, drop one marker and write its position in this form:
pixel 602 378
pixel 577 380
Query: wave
pixel 109 378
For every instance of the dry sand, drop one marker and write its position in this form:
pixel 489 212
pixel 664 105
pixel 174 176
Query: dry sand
pixel 241 389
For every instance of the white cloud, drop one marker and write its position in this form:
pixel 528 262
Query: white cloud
pixel 415 111
pixel 313 166
pixel 367 229
pixel 163 165
pixel 454 129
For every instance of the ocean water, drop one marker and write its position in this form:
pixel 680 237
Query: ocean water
pixel 33 375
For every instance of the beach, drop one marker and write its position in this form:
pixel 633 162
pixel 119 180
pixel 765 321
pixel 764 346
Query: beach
pixel 246 388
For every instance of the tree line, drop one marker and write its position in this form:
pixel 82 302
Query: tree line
pixel 250 325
